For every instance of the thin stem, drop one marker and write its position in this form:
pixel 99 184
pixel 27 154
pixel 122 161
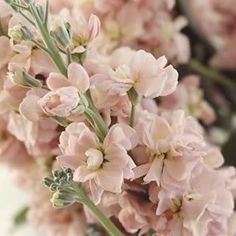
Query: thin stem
pixel 27 18
pixel 90 100
pixel 97 122
pixel 54 53
pixel 105 222
pixel 19 6
pixel 132 115
pixel 211 73
pixel 40 46
pixel 45 21
pixel 60 120
pixel 93 116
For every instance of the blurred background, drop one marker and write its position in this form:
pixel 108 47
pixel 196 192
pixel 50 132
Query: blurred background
pixel 12 201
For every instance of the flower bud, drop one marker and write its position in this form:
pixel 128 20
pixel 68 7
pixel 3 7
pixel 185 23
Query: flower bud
pixel 62 35
pixel 60 102
pixel 47 182
pixel 40 10
pixel 62 198
pixel 19 33
pixel 22 78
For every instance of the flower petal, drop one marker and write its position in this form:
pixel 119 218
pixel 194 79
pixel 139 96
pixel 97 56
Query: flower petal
pixel 56 80
pixel 78 76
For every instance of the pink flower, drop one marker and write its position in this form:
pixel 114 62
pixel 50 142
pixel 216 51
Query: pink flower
pixel 35 61
pixel 134 212
pixel 173 147
pixel 84 31
pixel 189 97
pixel 39 137
pixel 147 75
pixel 201 209
pixel 29 107
pixel 102 164
pixel 65 94
pixel 61 102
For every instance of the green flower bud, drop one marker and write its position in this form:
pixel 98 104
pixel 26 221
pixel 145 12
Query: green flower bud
pixel 15 33
pixel 61 33
pixel 24 79
pixel 63 198
pixel 40 10
pixel 19 33
pixel 47 182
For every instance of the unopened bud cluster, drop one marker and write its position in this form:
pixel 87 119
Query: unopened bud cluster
pixel 60 179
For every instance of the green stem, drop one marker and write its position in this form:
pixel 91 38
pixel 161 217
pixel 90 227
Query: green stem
pixel 45 20
pixel 97 122
pixel 53 51
pixel 19 6
pixel 93 116
pixel 90 100
pixel 105 222
pixel 27 18
pixel 132 115
pixel 211 73
pixel 40 46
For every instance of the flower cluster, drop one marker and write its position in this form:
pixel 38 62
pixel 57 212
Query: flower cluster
pixel 126 23
pixel 123 140
pixel 219 28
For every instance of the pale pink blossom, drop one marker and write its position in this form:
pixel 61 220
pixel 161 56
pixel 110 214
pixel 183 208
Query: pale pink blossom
pixel 102 164
pixel 147 75
pixel 61 102
pixel 126 25
pixel 139 24
pixel 84 29
pixel 35 61
pixel 65 94
pixel 134 213
pixel 39 137
pixel 189 97
pixel 29 107
pixel 202 209
pixel 173 148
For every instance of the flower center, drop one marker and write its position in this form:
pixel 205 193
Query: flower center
pixel 122 72
pixel 95 158
pixel 176 205
pixel 54 101
pixel 152 155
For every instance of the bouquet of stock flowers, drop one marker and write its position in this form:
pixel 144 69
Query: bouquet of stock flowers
pixel 91 107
